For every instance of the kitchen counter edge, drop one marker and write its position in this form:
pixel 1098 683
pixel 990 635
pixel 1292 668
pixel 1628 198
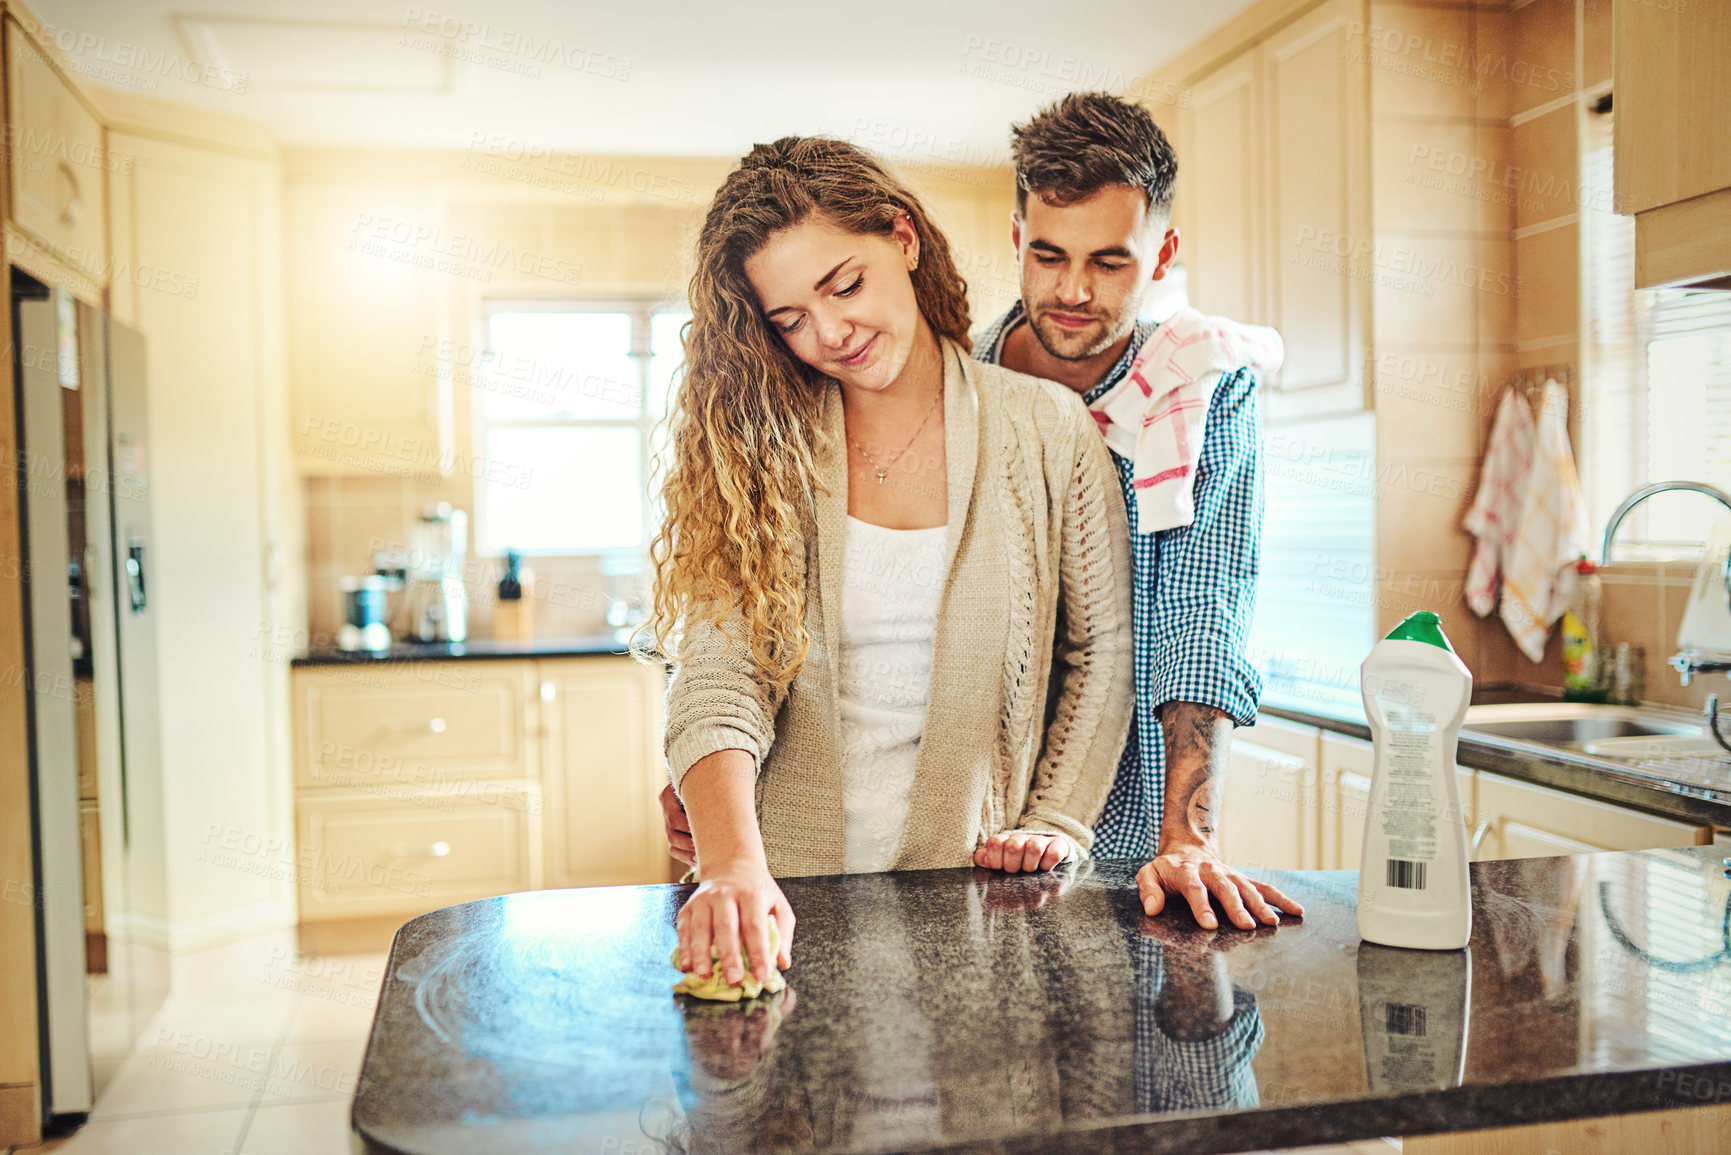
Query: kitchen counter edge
pixel 1558 773
pixel 481 649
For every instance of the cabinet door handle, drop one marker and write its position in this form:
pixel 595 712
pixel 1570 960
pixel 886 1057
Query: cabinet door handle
pixel 436 725
pixel 439 849
pixel 74 210
pixel 1479 832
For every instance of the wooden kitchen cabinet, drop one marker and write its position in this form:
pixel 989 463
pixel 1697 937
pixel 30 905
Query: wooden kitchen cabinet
pixel 1267 808
pixel 372 358
pixel 196 239
pixel 419 724
pixel 422 784
pixel 1222 244
pixel 1345 776
pixel 1277 203
pixel 1271 802
pixel 57 160
pixel 403 852
pixel 1673 138
pixel 1528 821
pixel 603 769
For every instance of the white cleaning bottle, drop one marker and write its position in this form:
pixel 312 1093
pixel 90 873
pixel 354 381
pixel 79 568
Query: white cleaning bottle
pixel 1412 879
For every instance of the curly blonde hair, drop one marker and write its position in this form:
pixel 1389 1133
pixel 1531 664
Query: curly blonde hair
pixel 743 421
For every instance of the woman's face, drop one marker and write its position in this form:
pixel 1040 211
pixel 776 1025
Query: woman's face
pixel 843 302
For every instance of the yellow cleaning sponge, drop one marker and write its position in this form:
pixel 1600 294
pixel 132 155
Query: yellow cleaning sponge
pixel 718 989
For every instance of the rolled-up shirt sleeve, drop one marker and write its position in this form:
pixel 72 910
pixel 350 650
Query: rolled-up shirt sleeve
pixel 1206 572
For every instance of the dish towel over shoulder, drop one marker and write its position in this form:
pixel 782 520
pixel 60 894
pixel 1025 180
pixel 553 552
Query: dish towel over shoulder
pixel 1154 416
pixel 1529 518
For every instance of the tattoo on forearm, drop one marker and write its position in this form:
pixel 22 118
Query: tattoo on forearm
pixel 1202 810
pixel 1197 742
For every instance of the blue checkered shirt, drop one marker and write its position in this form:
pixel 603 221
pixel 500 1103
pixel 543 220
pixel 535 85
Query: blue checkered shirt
pixel 1194 588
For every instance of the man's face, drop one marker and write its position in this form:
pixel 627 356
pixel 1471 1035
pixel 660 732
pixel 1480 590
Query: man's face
pixel 1086 267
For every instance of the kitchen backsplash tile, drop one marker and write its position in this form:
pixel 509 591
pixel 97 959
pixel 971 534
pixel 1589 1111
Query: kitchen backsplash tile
pixel 1548 175
pixel 1540 64
pixel 351 517
pixel 1550 271
pixel 1420 60
pixel 1428 404
pixel 1423 174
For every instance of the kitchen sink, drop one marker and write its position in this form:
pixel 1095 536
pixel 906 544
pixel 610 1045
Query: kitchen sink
pixel 1644 742
pixel 1621 734
pixel 1582 729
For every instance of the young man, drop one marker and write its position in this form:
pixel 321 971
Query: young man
pixel 1095 178
pixel 1094 185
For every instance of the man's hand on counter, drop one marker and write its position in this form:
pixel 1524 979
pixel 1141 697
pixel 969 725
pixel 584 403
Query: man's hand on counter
pixel 679 843
pixel 1196 874
pixel 1187 862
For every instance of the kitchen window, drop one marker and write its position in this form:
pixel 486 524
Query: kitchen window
pixel 565 411
pixel 1656 392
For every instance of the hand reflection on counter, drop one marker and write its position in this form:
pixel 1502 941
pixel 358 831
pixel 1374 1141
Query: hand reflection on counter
pixel 728 1040
pixel 730 1101
pixel 1196 1033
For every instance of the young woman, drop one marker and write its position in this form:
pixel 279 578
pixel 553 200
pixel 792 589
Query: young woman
pixel 894 581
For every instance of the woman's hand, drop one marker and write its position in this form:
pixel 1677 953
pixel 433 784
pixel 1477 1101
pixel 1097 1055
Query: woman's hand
pixel 1012 852
pixel 678 824
pixel 730 909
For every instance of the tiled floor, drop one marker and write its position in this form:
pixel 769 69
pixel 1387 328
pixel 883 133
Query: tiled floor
pixel 256 1052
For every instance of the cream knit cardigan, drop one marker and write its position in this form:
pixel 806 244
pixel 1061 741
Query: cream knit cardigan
pixel 1033 624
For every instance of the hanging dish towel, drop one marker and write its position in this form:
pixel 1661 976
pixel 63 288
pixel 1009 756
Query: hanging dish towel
pixel 1154 416
pixel 1548 531
pixel 1496 508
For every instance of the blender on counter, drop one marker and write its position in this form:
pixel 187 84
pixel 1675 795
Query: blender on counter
pixel 438 606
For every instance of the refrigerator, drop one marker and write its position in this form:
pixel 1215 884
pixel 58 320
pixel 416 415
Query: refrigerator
pixel 90 654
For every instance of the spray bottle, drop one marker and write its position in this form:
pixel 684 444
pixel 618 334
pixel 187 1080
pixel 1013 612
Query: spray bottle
pixel 1412 884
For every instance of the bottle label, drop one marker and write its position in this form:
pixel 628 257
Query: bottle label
pixel 1577 653
pixel 1409 814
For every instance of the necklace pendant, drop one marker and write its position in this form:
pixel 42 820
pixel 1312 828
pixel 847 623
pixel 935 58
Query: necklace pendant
pixel 882 473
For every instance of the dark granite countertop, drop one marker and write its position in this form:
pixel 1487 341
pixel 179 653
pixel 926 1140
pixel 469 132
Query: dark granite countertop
pixel 963 1010
pixel 1562 770
pixel 477 648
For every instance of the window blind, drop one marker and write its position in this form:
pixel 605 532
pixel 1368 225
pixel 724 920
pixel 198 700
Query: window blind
pixel 1656 390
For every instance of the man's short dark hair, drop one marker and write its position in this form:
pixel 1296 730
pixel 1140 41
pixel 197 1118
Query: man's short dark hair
pixel 1075 147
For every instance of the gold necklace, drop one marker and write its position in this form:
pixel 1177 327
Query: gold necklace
pixel 883 471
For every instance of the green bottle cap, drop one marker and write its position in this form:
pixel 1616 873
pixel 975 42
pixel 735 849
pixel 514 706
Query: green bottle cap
pixel 1423 626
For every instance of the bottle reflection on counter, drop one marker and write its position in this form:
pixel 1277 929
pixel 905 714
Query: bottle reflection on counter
pixel 1413 1010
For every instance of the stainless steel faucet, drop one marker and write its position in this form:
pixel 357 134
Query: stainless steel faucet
pixel 1687 663
pixel 1646 491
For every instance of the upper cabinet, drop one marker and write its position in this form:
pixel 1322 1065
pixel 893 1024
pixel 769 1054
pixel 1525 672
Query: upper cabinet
pixel 57 163
pixel 1275 181
pixel 1673 138
pixel 1222 246
pixel 370 352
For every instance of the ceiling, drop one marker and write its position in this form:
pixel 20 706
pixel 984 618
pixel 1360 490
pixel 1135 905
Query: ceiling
pixel 912 79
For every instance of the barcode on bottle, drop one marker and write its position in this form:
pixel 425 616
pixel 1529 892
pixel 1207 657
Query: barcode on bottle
pixel 1405 1019
pixel 1405 874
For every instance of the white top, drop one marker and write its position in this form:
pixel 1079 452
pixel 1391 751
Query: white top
pixel 890 586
